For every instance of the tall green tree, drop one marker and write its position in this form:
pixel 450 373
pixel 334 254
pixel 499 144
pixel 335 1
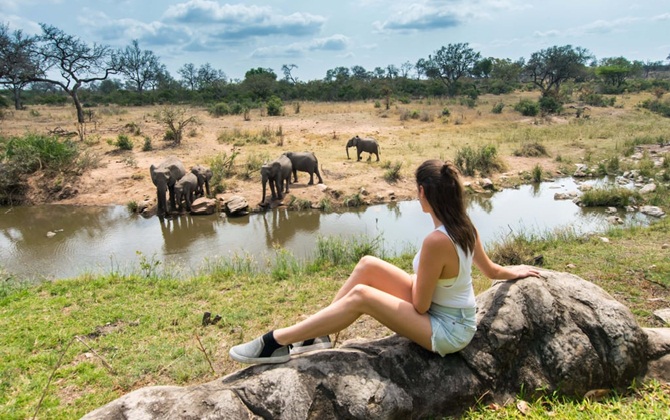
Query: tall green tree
pixel 449 64
pixel 259 83
pixel 614 71
pixel 549 68
pixel 76 62
pixel 140 67
pixel 19 64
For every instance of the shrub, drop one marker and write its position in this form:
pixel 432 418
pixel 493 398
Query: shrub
pixel 275 106
pixel 531 149
pixel 609 197
pixel 657 106
pixel 550 105
pixel 123 142
pixel 392 174
pixel 595 99
pixel 527 108
pixel 222 166
pixel 497 108
pixel 219 109
pixel 36 151
pixel 147 147
pixel 537 173
pixel 446 112
pixel 485 160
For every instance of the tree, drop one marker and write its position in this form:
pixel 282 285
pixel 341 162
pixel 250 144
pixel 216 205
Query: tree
pixel 189 75
pixel 141 68
pixel 549 68
pixel 208 76
pixel 483 68
pixel 260 82
pixel 359 73
pixel 287 69
pixel 76 62
pixel 338 74
pixel 18 62
pixel 450 63
pixel 615 71
pixel 176 119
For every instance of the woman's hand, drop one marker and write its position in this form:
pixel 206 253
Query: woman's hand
pixel 521 271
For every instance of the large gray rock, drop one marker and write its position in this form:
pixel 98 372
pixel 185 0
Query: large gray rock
pixel 556 334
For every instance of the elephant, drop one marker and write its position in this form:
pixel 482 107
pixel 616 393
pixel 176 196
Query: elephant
pixel 164 176
pixel 304 162
pixel 363 145
pixel 278 174
pixel 204 174
pixel 185 189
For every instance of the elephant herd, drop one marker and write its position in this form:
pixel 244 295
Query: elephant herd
pixel 171 179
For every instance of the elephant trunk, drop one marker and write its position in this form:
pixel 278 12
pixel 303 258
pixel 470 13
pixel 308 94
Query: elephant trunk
pixel 347 149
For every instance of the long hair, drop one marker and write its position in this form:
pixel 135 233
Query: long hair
pixel 442 187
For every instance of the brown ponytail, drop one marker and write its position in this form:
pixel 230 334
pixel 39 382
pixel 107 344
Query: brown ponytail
pixel 441 182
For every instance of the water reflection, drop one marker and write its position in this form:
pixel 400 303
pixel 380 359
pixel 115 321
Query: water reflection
pixel 97 239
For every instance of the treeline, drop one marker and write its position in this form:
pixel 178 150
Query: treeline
pixel 93 74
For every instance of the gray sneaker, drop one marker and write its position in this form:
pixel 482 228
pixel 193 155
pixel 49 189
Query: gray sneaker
pixel 252 352
pixel 312 344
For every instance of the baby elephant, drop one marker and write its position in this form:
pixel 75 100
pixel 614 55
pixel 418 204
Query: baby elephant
pixel 363 145
pixel 185 189
pixel 304 162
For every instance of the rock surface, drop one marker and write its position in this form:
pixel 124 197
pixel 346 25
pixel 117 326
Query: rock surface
pixel 558 334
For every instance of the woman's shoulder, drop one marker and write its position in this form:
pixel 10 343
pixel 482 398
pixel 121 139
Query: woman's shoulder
pixel 438 239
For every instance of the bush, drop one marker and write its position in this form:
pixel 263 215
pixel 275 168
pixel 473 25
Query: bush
pixel 550 105
pixel 657 106
pixel 446 112
pixel 275 106
pixel 527 108
pixel 392 173
pixel 485 160
pixel 36 151
pixel 123 142
pixel 531 149
pixel 219 109
pixel 609 197
pixel 595 99
pixel 147 147
pixel 497 108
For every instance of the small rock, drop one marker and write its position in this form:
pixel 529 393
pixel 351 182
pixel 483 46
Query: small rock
pixel 611 210
pixel 486 183
pixel 614 220
pixel 604 240
pixel 570 266
pixel 51 234
pixel 652 211
pixel 649 188
pixel 665 246
pixel 663 315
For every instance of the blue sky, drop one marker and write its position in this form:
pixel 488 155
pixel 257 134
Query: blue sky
pixel 320 35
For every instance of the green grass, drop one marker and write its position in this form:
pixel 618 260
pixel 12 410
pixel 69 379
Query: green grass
pixel 117 333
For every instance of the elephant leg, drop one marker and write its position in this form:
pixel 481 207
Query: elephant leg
pixel 295 175
pixel 311 178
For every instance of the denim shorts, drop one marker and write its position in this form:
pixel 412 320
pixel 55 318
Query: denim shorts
pixel 452 328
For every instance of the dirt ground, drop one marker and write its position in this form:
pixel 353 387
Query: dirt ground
pixel 119 177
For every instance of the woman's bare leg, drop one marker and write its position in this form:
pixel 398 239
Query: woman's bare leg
pixel 377 273
pixel 394 312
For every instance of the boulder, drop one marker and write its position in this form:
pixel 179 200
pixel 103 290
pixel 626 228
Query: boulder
pixel 556 334
pixel 236 206
pixel 203 205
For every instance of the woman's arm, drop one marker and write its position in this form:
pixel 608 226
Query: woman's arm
pixel 496 271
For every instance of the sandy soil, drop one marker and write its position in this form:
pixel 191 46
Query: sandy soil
pixel 324 128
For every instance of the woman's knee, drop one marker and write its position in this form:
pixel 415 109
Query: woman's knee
pixel 358 295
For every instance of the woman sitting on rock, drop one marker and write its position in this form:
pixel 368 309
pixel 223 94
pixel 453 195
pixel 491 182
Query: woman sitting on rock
pixel 435 307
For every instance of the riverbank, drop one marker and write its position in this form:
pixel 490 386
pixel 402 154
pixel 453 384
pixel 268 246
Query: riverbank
pixel 85 341
pixel 109 175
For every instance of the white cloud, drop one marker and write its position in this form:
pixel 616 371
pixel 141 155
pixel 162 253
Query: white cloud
pixel 333 43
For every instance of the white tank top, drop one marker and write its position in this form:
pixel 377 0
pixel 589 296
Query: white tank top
pixel 456 292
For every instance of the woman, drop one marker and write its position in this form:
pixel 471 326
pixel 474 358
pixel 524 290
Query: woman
pixel 435 307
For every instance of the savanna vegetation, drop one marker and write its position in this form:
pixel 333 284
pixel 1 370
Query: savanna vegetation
pixel 72 345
